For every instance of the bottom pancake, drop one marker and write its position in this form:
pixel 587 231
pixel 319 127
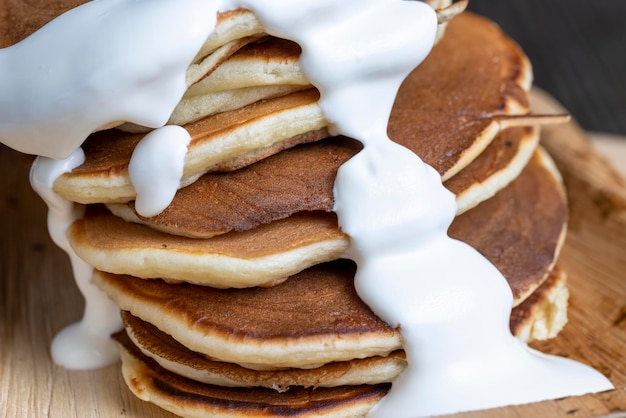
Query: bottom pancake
pixel 185 397
pixel 541 316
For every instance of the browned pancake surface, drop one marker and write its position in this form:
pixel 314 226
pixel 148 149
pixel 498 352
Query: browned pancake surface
pixel 520 229
pixel 103 231
pixel 500 152
pixel 158 344
pixel 531 310
pixel 295 180
pixel 184 396
pixel 296 309
pixel 21 18
pixel 472 75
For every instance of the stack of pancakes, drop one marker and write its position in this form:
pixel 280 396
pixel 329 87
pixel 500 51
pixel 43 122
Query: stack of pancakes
pixel 236 300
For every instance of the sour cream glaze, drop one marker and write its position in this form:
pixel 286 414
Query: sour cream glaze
pixel 451 304
pixel 85 344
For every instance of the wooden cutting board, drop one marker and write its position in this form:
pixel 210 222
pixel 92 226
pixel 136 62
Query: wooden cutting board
pixel 38 297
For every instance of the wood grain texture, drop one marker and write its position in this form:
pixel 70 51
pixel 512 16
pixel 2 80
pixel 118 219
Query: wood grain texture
pixel 38 297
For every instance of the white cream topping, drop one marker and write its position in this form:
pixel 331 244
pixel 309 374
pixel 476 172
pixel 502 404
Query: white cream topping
pixel 103 62
pixel 156 168
pixel 85 344
pixel 451 304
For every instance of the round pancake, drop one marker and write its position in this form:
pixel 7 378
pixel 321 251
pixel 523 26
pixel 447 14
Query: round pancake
pixel 175 357
pixel 465 95
pixel 295 180
pixel 184 397
pixel 498 165
pixel 473 76
pixel 264 256
pixel 537 207
pixel 541 316
pixel 520 230
pixel 302 179
pixel 287 325
pixel 224 141
pixel 237 74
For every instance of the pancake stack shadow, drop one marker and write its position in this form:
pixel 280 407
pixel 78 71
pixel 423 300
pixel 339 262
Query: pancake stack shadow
pixel 235 299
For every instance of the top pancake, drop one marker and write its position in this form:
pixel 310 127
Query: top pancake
pixel 447 111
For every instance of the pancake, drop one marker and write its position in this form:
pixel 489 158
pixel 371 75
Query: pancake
pixel 264 256
pixel 224 141
pixel 544 313
pixel 460 94
pixel 543 234
pixel 237 74
pixel 185 397
pixel 262 328
pixel 295 180
pixel 457 98
pixel 501 162
pixel 302 179
pixel 520 232
pixel 539 317
pixel 178 359
pixel 267 68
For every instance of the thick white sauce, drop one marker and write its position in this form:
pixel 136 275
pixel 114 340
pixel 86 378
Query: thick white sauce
pixel 156 167
pixel 86 344
pixel 451 304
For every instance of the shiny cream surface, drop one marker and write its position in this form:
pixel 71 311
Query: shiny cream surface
pixel 451 304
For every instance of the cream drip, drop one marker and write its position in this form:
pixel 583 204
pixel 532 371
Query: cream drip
pixel 156 168
pixel 440 291
pixel 85 344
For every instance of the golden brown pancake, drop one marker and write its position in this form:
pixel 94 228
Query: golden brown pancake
pixel 520 230
pixel 185 397
pixel 537 207
pixel 295 180
pixel 447 112
pixel 457 97
pixel 311 319
pixel 225 141
pixel 499 164
pixel 178 359
pixel 264 256
pixel 541 316
pixel 302 178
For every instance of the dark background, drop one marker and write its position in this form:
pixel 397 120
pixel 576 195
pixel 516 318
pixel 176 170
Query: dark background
pixel 578 52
